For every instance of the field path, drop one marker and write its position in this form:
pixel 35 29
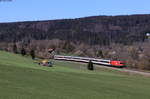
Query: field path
pixel 127 70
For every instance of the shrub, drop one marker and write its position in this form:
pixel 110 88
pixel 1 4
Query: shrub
pixel 32 53
pixel 15 48
pixel 90 65
pixel 23 52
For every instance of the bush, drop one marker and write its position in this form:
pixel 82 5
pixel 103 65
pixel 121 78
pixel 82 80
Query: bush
pixel 15 48
pixel 23 52
pixel 32 53
pixel 90 65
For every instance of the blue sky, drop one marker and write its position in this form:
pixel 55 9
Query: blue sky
pixel 28 10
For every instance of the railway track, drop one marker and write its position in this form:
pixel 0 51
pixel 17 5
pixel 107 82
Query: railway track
pixel 101 63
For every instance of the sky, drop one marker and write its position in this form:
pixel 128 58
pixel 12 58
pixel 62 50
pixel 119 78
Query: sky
pixel 33 10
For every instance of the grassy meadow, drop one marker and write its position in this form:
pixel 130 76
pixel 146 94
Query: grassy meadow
pixel 22 78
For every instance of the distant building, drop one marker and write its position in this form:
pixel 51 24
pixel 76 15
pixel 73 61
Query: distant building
pixel 148 35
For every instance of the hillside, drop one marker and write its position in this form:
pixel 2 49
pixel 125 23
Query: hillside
pixel 107 37
pixel 101 30
pixel 21 78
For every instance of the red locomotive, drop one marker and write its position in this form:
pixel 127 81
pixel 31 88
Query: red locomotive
pixel 117 63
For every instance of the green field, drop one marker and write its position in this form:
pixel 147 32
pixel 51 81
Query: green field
pixel 21 78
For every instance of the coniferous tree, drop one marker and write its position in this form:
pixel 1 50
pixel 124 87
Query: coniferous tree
pixel 15 49
pixel 32 53
pixel 23 52
pixel 90 65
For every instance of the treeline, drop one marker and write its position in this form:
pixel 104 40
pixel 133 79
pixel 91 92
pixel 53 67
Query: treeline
pixel 102 30
pixel 18 48
pixel 136 56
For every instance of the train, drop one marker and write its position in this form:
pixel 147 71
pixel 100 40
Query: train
pixel 104 62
